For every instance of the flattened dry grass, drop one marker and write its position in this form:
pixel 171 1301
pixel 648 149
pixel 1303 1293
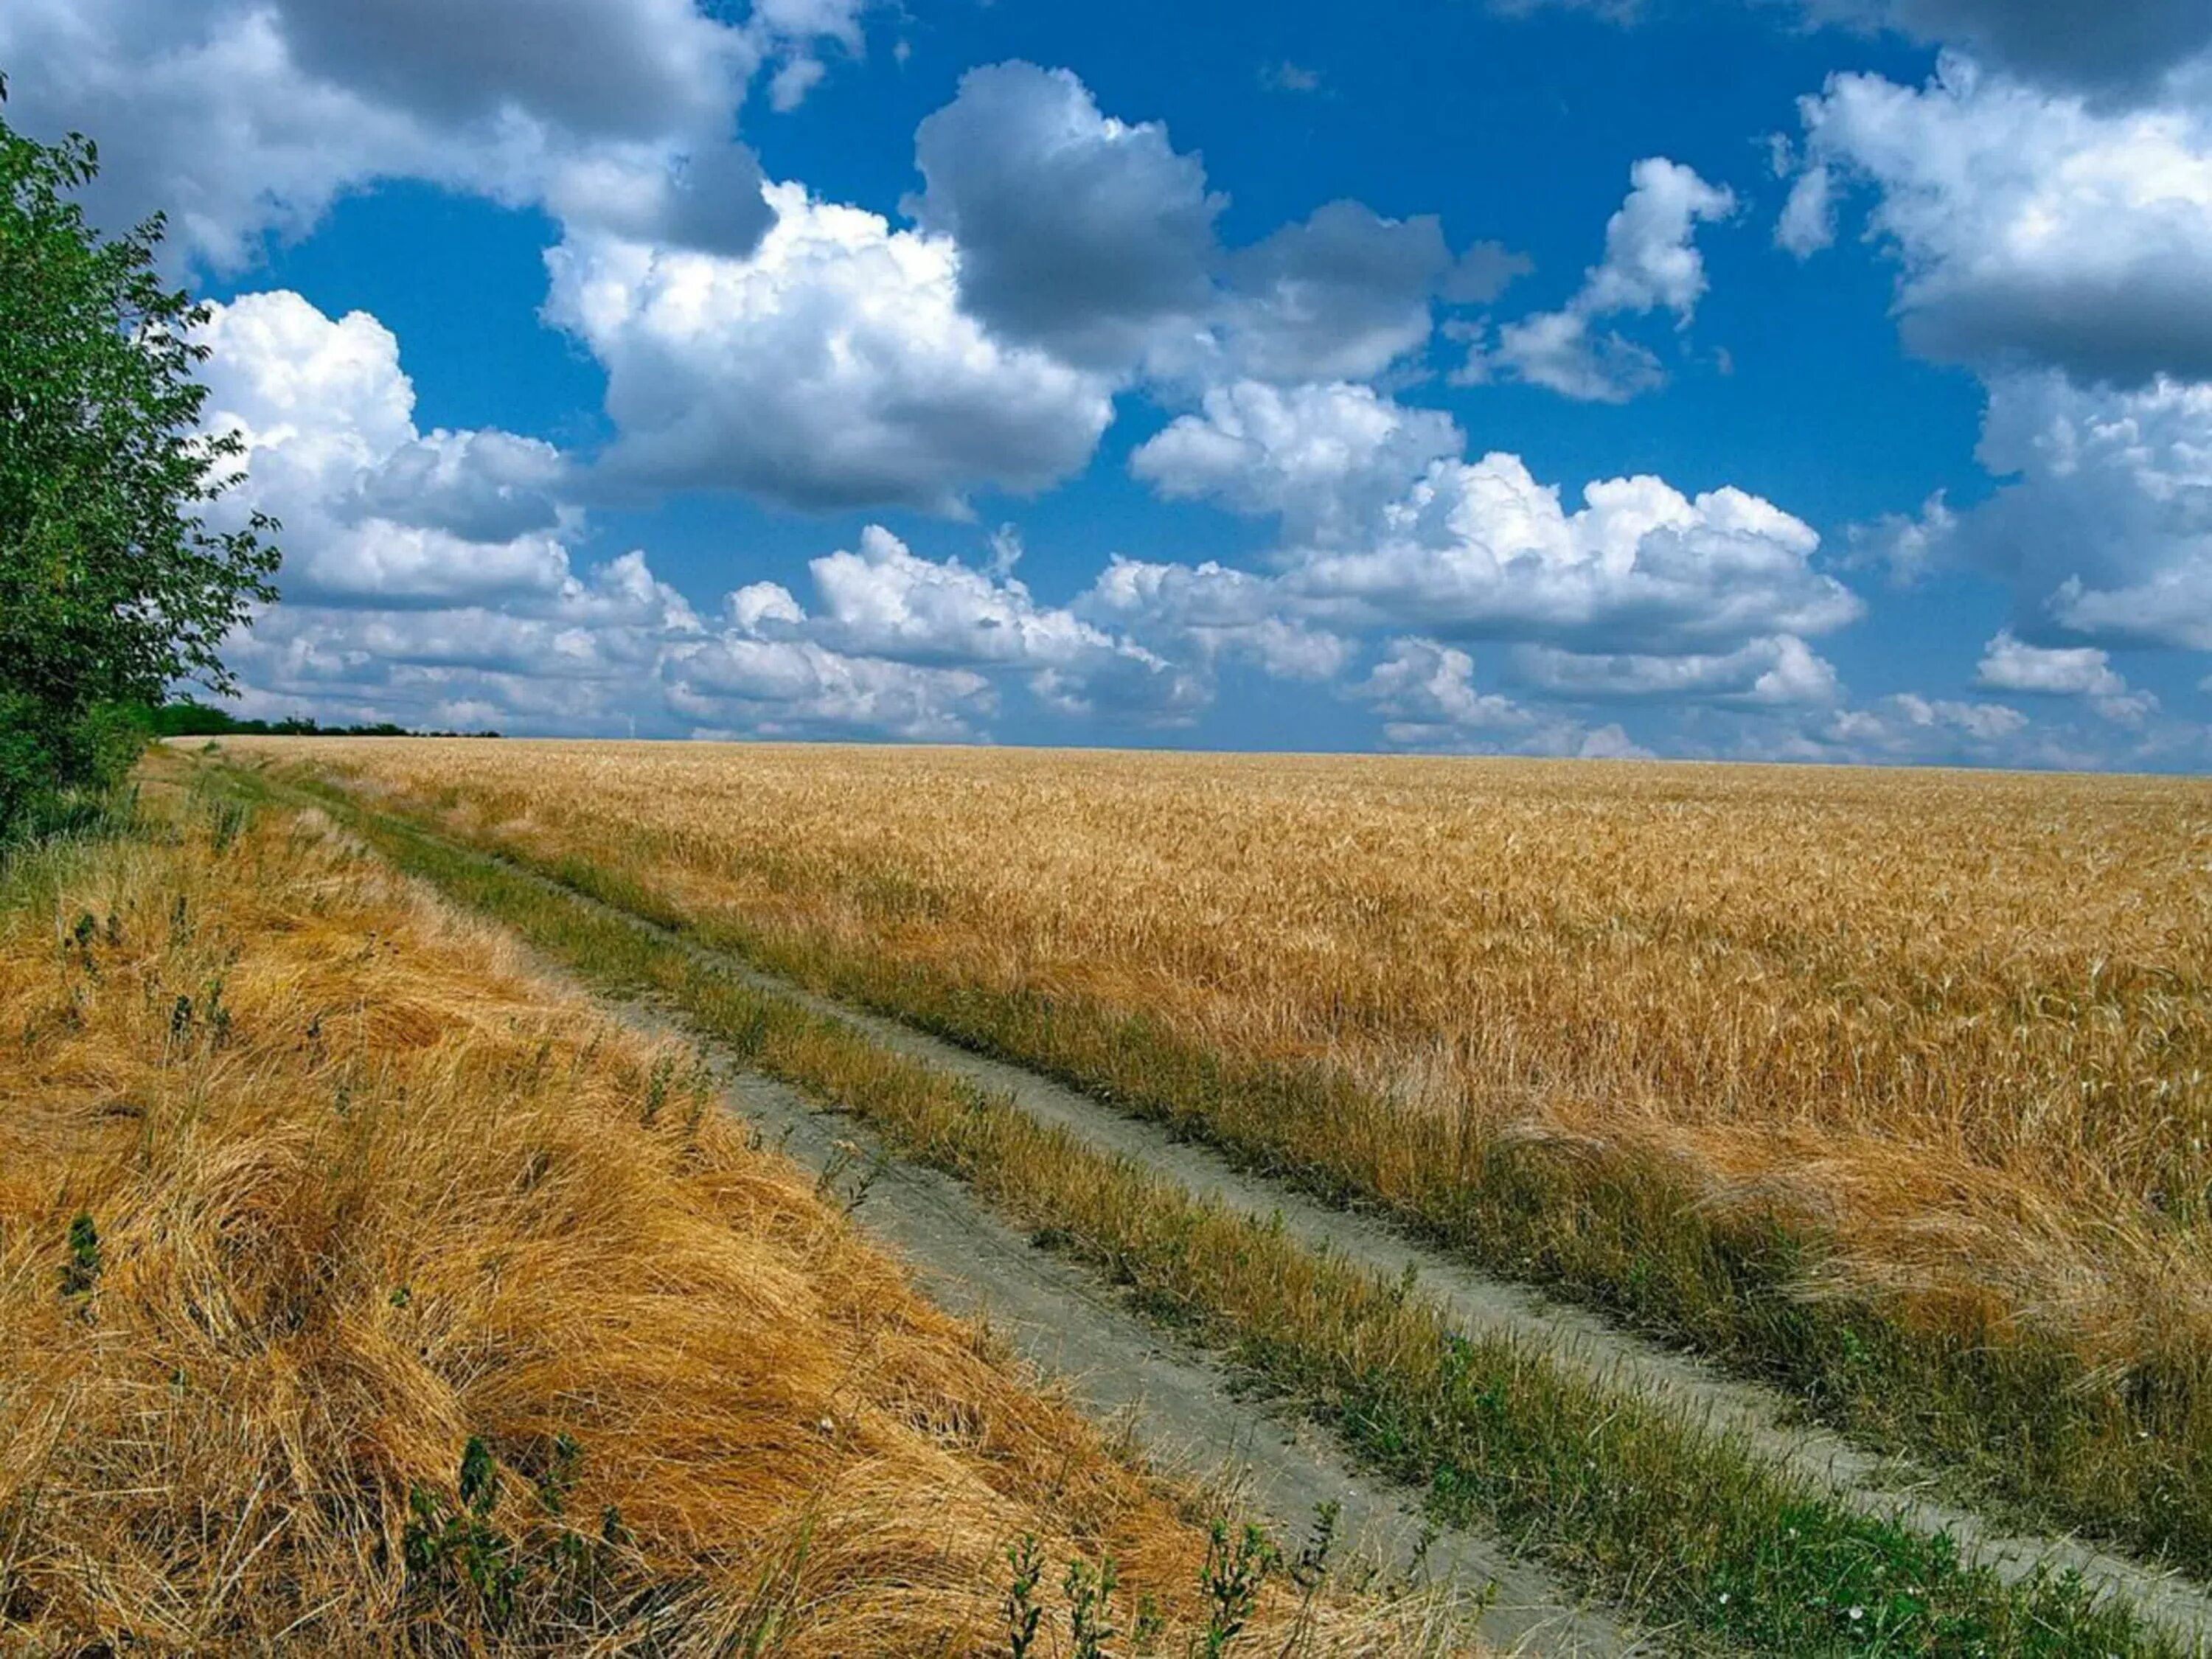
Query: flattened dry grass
pixel 1897 1087
pixel 358 1190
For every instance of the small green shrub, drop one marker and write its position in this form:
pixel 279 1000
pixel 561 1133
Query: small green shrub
pixel 81 1271
pixel 1021 1609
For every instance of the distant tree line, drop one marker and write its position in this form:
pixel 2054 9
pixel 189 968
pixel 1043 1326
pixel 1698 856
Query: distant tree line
pixel 189 719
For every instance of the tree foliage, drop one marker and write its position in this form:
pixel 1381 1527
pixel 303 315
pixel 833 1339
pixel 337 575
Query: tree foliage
pixel 114 583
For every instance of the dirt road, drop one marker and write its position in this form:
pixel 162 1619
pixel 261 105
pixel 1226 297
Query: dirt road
pixel 1179 1406
pixel 1482 1305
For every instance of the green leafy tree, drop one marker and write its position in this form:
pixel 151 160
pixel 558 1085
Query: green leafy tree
pixel 114 584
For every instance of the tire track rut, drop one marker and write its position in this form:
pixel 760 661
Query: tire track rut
pixel 1481 1304
pixel 1180 1408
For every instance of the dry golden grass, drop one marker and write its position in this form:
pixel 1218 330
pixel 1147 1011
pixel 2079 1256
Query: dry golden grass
pixel 365 1187
pixel 1959 1020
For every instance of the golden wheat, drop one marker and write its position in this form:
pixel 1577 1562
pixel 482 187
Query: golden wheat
pixel 1960 1020
pixel 361 1185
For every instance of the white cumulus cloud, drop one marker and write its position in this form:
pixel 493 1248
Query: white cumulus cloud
pixel 2010 664
pixel 1765 673
pixel 883 601
pixel 1651 262
pixel 1208 613
pixel 1325 458
pixel 1482 548
pixel 1079 232
pixel 1095 238
pixel 1347 293
pixel 429 581
pixel 2030 228
pixel 327 416
pixel 2103 527
pixel 242 118
pixel 833 367
pixel 1425 693
pixel 798 688
pixel 1386 526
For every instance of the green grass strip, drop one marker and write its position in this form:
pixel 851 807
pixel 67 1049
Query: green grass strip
pixel 1688 1530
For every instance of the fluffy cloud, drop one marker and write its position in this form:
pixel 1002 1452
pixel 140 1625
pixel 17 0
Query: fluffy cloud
pixel 1141 645
pixel 1912 728
pixel 2029 228
pixel 1078 232
pixel 583 658
pixel 1208 613
pixel 1326 459
pixel 373 509
pixel 427 575
pixel 246 117
pixel 1908 726
pixel 1057 252
pixel 1651 262
pixel 1650 259
pixel 1807 222
pixel 2167 607
pixel 2116 485
pixel 2113 48
pixel 1421 685
pixel 1425 693
pixel 483 486
pixel 2063 249
pixel 1775 673
pixel 798 688
pixel 1094 238
pixel 833 367
pixel 1639 593
pixel 2008 664
pixel 1347 292
pixel 427 579
pixel 1482 549
pixel 884 602
pixel 2011 665
pixel 1386 526
pixel 2104 528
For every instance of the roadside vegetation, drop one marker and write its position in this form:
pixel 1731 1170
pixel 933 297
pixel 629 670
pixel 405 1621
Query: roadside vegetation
pixel 1688 1530
pixel 1895 1089
pixel 120 571
pixel 367 1291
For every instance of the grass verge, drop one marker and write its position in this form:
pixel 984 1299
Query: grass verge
pixel 1688 1529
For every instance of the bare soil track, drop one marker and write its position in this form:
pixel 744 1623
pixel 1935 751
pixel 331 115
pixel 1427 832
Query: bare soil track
pixel 1182 1408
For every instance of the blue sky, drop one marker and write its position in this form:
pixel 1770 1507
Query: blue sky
pixel 1823 380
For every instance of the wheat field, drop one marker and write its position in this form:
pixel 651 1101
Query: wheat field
pixel 1958 1021
pixel 366 1290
